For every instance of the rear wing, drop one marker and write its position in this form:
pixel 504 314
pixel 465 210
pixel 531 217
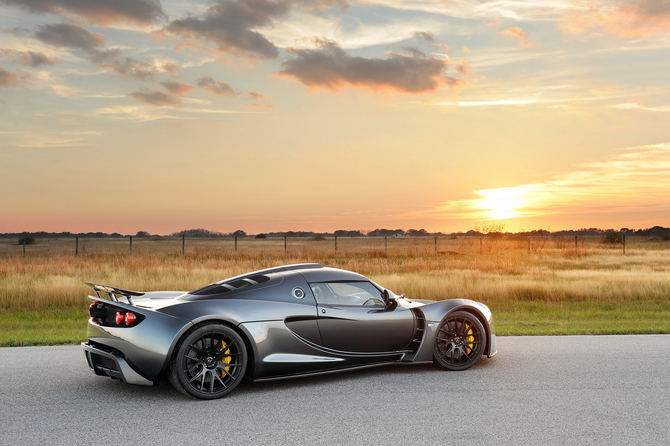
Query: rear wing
pixel 113 292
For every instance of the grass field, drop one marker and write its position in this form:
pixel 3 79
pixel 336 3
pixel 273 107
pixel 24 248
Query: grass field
pixel 551 286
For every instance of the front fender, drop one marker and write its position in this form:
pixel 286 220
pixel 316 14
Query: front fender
pixel 435 312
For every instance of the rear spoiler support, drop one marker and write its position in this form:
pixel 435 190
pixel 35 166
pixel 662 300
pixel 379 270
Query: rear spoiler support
pixel 112 292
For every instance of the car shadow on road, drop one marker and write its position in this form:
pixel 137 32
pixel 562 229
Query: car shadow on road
pixel 393 374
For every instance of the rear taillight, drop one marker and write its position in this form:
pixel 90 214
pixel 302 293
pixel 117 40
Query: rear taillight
pixel 120 318
pixel 91 310
pixel 130 318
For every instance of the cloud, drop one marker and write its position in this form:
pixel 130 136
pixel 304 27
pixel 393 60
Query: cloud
pixel 97 12
pixel 414 51
pixel 93 44
pixel 442 47
pixel 463 68
pixel 29 58
pixel 257 96
pixel 265 106
pixel 161 99
pixel 630 18
pixel 70 36
pixel 518 33
pixel 231 25
pixel 634 106
pixel 8 79
pixel 177 87
pixel 158 98
pixel 330 67
pixel 424 35
pixel 210 85
pixel 140 70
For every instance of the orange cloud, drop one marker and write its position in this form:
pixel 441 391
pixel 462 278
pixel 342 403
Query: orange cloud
pixel 634 19
pixel 463 68
pixel 8 79
pixel 161 99
pixel 265 106
pixel 518 33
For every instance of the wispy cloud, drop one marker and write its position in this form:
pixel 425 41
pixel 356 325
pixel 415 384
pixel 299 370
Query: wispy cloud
pixel 634 106
pixel 628 18
pixel 140 113
pixel 75 37
pixel 635 180
pixel 518 33
pixel 28 58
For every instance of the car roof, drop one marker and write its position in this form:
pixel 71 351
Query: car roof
pixel 330 275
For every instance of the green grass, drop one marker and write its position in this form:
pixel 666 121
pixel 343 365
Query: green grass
pixel 42 328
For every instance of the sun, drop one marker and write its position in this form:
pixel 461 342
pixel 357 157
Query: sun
pixel 500 204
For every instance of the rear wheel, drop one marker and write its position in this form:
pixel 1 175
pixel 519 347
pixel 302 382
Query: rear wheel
pixel 209 363
pixel 460 341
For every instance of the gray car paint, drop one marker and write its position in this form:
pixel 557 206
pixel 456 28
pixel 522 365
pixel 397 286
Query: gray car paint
pixel 281 331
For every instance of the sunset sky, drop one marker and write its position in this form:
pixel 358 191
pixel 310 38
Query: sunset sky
pixel 276 115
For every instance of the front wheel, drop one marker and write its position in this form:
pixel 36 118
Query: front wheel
pixel 460 341
pixel 210 362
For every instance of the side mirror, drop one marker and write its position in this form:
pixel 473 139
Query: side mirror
pixel 390 303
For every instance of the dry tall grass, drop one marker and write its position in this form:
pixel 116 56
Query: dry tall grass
pixel 503 279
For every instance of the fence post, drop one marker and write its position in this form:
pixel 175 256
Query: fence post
pixel 386 247
pixel 235 243
pixel 529 244
pixel 183 242
pixel 335 243
pixel 131 244
pixel 76 246
pixel 481 242
pixel 435 244
pixel 624 244
pixel 575 242
pixel 24 246
pixel 284 244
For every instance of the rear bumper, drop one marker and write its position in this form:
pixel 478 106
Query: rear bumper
pixel 108 362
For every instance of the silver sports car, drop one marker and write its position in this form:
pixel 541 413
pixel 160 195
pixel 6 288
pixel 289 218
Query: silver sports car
pixel 282 322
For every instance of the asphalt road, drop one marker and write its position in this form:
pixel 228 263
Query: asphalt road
pixel 605 390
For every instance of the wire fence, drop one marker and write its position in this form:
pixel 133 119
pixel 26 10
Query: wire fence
pixel 325 246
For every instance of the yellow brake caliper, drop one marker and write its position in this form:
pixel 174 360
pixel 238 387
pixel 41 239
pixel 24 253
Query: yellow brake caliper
pixel 225 360
pixel 469 339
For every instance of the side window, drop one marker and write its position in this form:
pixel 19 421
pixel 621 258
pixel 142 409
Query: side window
pixel 347 293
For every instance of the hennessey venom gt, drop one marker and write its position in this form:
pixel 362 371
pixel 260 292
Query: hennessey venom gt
pixel 281 322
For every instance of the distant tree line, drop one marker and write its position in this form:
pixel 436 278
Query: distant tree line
pixel 656 231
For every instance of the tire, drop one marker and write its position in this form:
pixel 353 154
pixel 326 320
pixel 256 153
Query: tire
pixel 210 362
pixel 460 341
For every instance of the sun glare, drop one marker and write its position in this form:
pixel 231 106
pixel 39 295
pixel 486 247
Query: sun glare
pixel 500 204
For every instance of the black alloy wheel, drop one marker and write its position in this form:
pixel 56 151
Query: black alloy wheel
pixel 210 362
pixel 460 341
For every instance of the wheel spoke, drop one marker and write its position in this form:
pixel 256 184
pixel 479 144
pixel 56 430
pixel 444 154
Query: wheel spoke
pixel 227 373
pixel 221 381
pixel 199 350
pixel 197 375
pixel 194 365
